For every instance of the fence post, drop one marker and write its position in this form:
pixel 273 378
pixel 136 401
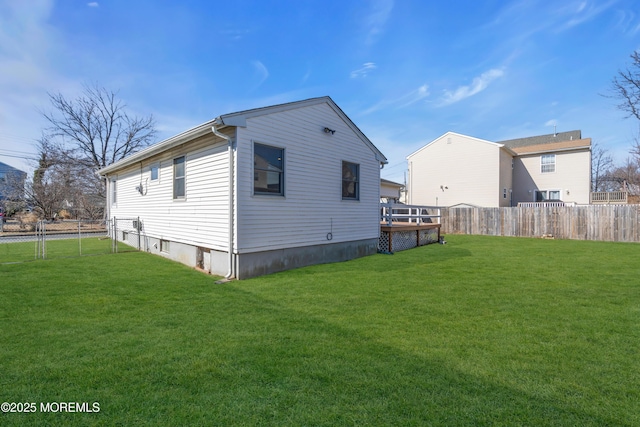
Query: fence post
pixel 114 236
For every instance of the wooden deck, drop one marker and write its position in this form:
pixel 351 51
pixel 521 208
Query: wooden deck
pixel 400 236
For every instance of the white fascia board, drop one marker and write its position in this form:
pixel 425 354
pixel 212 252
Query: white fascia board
pixel 453 134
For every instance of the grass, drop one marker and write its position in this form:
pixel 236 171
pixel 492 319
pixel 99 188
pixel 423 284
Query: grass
pixel 481 331
pixel 31 250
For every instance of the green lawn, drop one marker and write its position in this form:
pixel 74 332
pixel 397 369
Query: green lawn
pixel 31 250
pixel 480 331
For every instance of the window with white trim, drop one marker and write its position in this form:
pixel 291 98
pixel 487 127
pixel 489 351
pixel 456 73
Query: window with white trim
pixel 153 172
pixel 544 195
pixel 113 191
pixel 268 170
pixel 179 178
pixel 547 163
pixel 350 181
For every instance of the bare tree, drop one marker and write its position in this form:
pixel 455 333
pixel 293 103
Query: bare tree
pixel 626 87
pixel 92 132
pixel 601 165
pixel 627 177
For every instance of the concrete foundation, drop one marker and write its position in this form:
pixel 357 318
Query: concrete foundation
pixel 259 263
pixel 254 264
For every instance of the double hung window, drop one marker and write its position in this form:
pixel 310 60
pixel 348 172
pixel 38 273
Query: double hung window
pixel 350 181
pixel 548 163
pixel 179 178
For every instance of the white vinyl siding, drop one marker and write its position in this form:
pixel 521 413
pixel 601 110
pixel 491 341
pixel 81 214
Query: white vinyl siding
pixel 202 218
pixel 313 206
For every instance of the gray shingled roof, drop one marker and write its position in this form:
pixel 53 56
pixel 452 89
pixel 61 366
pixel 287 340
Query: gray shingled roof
pixel 542 139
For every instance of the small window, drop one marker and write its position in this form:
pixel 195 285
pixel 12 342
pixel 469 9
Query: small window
pixel 268 170
pixel 153 171
pixel 114 191
pixel 504 193
pixel 164 246
pixel 178 178
pixel 548 163
pixel 350 181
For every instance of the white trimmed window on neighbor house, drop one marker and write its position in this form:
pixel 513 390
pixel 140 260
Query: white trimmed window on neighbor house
pixel 547 163
pixel 542 195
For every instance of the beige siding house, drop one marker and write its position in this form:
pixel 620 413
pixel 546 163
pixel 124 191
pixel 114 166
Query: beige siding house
pixel 256 191
pixel 459 170
pixel 553 171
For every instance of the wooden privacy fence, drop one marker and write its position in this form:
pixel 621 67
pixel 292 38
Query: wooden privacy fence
pixel 613 223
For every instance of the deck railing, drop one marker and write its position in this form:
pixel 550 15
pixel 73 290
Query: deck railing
pixel 609 198
pixel 391 213
pixel 544 204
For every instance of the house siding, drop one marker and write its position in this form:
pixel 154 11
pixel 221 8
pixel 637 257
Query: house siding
pixel 466 166
pixel 312 205
pixel 572 170
pixel 310 224
pixel 201 218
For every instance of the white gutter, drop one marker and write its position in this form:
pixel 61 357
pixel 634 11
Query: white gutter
pixel 230 273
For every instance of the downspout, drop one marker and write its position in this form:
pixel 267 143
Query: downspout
pixel 230 272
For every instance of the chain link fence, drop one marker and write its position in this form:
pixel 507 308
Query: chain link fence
pixel 26 241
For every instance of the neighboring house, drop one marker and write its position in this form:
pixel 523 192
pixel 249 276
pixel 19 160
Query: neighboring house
pixel 456 169
pixel 10 179
pixel 390 191
pixel 304 189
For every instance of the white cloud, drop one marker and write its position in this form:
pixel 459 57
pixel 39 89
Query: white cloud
pixel 405 100
pixel 478 84
pixel 552 122
pixel 261 73
pixel 377 19
pixel 367 67
pixel 93 4
pixel 413 96
pixel 585 11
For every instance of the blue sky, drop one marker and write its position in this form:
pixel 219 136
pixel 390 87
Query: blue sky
pixel 404 71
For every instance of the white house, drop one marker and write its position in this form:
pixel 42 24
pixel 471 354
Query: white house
pixel 256 191
pixel 460 170
pixel 390 191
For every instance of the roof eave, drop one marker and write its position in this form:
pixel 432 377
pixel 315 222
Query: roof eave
pixel 159 147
